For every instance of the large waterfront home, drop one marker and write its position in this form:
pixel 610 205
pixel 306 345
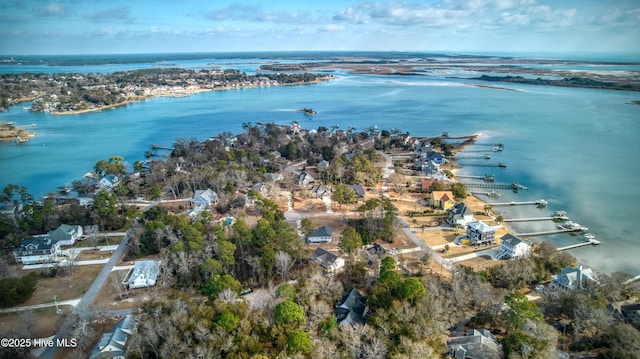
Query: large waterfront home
pixel 480 233
pixel 512 247
pixel 205 198
pixel 460 215
pixel 573 278
pixel 37 250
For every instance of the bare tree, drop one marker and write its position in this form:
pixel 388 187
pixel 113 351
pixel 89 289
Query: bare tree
pixel 284 264
pixel 116 282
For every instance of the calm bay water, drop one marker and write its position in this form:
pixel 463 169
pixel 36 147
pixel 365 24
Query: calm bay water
pixel 576 148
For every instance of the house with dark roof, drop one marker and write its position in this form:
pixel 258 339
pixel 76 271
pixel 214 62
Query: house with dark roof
pixel 627 310
pixel 573 278
pixel 512 247
pixel 330 262
pixel 480 233
pixel 304 178
pixel 475 344
pixel 321 192
pixel 358 189
pixel 320 235
pixel 352 311
pixel 37 250
pixel 112 344
pixel 66 235
pixel 460 215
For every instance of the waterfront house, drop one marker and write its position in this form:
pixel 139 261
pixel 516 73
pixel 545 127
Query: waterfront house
pixel 352 311
pixel 330 262
pixel 442 199
pixel 475 344
pixel 320 235
pixel 304 178
pixel 37 250
pixel 460 215
pixel 512 247
pixel 480 233
pixel 573 278
pixel 204 198
pixel 66 235
pixel 143 274
pixel 112 344
pixel 109 181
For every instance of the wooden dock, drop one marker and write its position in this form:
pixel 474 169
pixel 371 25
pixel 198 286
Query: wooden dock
pixel 548 233
pixel 485 157
pixel 538 202
pixel 591 242
pixel 494 185
pixel 492 194
pixel 535 219
pixel 482 164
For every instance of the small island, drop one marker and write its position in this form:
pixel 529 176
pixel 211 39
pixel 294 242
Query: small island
pixel 10 132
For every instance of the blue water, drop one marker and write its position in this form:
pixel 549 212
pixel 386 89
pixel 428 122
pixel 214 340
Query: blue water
pixel 576 148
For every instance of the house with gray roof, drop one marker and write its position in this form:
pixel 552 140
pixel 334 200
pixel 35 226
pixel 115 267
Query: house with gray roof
pixel 460 215
pixel 352 311
pixel 204 198
pixel 331 263
pixel 512 247
pixel 475 344
pixel 573 278
pixel 480 233
pixel 112 344
pixel 321 192
pixel 358 189
pixel 304 178
pixel 143 274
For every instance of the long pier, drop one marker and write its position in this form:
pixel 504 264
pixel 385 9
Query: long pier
pixel 548 233
pixel 489 144
pixel 535 219
pixel 482 164
pixel 538 202
pixel 578 245
pixel 485 157
pixel 488 194
pixel 496 185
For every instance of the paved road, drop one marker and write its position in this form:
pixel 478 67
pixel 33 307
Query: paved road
pixel 66 329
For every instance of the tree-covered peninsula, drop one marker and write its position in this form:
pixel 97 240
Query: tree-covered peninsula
pixel 73 93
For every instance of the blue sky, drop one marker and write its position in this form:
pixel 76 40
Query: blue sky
pixel 146 26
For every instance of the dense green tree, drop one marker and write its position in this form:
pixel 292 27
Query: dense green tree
pixel 298 342
pixel 289 313
pixel 17 290
pixel 459 191
pixel 412 289
pixel 350 241
pixel 520 309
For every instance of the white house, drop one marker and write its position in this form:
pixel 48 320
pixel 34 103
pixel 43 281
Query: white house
pixel 204 198
pixel 37 250
pixel 460 215
pixel 66 235
pixel 475 344
pixel 327 260
pixel 321 192
pixel 573 278
pixel 112 344
pixel 512 247
pixel 320 235
pixel 109 181
pixel 144 274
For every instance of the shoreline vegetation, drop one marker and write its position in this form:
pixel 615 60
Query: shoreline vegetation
pixel 76 93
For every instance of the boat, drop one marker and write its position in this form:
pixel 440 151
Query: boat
pixel 502 165
pixel 21 140
pixel 308 111
pixel 589 237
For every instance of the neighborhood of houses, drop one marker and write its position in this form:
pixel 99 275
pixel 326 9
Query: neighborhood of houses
pixel 352 310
